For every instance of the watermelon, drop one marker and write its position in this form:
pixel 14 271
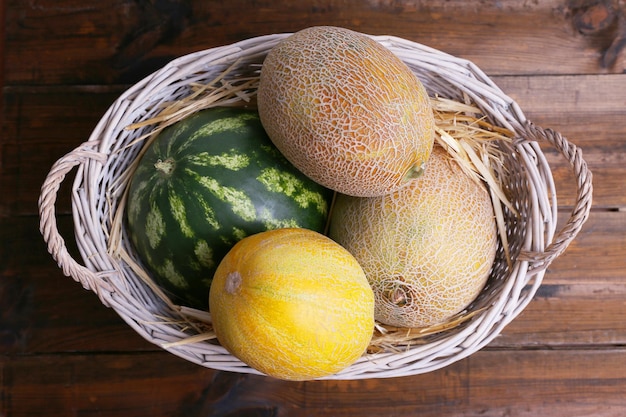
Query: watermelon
pixel 205 183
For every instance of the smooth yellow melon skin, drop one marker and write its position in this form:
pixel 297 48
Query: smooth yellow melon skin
pixel 427 249
pixel 346 111
pixel 292 304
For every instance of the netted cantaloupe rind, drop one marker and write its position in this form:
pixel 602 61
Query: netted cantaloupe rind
pixel 346 111
pixel 427 249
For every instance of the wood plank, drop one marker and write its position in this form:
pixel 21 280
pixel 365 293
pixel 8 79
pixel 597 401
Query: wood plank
pixel 104 42
pixel 562 100
pixel 579 303
pixel 588 113
pixel 527 383
pixel 45 311
pixel 39 126
pixel 548 383
pixel 601 242
pixel 581 300
pixel 136 385
pixel 41 115
pixel 572 315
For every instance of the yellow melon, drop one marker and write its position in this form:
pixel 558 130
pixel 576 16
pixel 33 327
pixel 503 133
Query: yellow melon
pixel 346 111
pixel 292 304
pixel 427 249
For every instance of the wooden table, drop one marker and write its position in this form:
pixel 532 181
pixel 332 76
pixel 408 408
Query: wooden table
pixel 62 353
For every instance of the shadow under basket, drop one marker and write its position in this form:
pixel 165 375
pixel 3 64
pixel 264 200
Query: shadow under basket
pixel 109 264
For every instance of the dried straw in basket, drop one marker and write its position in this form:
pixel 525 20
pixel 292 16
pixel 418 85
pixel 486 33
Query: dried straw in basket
pixel 523 191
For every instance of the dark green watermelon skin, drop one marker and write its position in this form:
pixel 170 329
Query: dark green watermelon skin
pixel 204 184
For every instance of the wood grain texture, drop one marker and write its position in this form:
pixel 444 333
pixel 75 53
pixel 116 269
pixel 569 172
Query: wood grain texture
pixel 45 311
pixel 117 41
pixel 579 304
pixel 590 111
pixel 490 383
pixel 63 353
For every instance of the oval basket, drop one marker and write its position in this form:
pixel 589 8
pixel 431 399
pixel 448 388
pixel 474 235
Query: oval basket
pixel 112 273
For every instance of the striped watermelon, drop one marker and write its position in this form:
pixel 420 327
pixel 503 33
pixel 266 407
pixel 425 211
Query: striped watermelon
pixel 205 183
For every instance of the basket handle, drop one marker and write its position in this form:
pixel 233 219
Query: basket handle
pixel 582 207
pixel 47 216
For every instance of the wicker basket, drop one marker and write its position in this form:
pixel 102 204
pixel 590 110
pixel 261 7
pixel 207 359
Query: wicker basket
pixel 99 185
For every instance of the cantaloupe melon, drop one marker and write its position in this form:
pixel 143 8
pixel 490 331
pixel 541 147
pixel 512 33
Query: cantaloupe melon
pixel 346 111
pixel 427 249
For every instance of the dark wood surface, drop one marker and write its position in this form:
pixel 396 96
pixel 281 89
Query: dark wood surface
pixel 62 353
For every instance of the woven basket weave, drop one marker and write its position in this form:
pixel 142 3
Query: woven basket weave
pixel 99 185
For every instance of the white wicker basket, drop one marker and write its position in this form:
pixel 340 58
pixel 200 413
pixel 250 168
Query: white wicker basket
pixel 99 185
